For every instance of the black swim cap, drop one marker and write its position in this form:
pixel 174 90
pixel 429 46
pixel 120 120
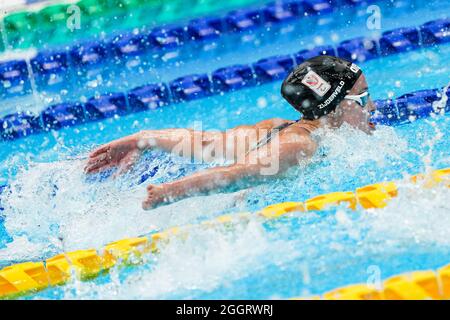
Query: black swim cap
pixel 318 85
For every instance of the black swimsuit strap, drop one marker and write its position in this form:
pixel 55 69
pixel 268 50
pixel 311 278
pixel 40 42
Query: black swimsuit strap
pixel 269 136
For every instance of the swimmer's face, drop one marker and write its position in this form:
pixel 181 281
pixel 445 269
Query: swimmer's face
pixel 353 113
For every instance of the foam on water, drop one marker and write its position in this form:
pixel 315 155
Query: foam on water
pixel 22 249
pixel 206 260
pixel 419 216
pixel 53 204
pixel 308 249
pixel 352 148
pixel 52 207
pixel 347 158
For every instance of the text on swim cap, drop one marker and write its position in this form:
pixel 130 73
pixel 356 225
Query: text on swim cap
pixel 333 95
pixel 315 82
pixel 354 68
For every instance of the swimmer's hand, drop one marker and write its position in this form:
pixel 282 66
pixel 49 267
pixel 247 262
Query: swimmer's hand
pixel 121 153
pixel 156 195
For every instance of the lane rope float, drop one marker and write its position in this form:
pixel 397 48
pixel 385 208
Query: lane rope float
pixel 416 285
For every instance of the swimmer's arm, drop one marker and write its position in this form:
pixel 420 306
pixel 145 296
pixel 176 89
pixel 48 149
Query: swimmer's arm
pixel 124 152
pixel 170 140
pixel 185 142
pixel 209 180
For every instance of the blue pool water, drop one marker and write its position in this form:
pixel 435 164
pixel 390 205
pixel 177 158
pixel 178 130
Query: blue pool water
pixel 118 75
pixel 51 207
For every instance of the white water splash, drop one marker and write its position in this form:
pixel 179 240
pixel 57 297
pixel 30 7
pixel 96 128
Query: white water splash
pixel 211 260
pixel 418 215
pixel 52 204
pixel 22 249
pixel 355 148
pixel 206 260
pixel 439 105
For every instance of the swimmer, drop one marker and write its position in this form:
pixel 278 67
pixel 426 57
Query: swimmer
pixel 327 91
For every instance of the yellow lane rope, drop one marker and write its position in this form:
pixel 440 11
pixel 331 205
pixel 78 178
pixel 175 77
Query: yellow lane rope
pixel 417 285
pixel 29 277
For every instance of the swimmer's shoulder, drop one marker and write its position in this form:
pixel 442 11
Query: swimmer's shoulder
pixel 299 135
pixel 296 133
pixel 265 124
pixel 304 126
pixel 272 123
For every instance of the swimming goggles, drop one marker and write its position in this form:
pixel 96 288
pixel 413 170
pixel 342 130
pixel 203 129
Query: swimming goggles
pixel 362 98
